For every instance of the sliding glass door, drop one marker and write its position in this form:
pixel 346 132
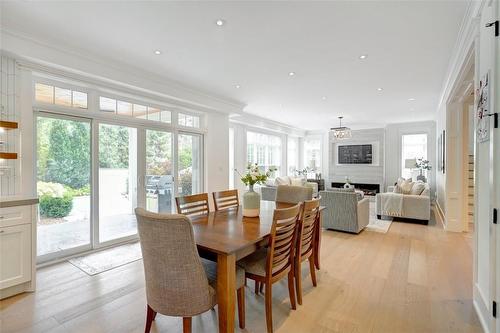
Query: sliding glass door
pixel 63 185
pixel 189 154
pixel 159 171
pixel 117 181
pixel 90 179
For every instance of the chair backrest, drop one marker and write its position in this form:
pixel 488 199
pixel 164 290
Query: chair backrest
pixel 293 194
pixel 282 240
pixel 309 219
pixel 196 204
pixel 176 283
pixel 226 199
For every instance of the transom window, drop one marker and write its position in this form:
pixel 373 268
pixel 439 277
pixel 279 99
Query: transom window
pixel 60 96
pixel 124 108
pixel 188 120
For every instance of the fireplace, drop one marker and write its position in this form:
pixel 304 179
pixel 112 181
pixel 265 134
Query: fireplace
pixel 368 189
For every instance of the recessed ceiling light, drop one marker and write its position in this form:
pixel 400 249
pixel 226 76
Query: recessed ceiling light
pixel 291 73
pixel 220 22
pixel 380 89
pixel 237 86
pixel 411 99
pixel 363 56
pixel 157 52
pixel 323 98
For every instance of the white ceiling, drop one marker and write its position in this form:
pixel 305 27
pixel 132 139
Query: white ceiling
pixel 408 43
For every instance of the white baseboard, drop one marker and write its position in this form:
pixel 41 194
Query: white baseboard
pixel 481 310
pixel 440 214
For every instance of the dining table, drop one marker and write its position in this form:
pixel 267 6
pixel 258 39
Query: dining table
pixel 227 236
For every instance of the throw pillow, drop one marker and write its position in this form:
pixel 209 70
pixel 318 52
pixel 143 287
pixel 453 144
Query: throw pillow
pixel 417 188
pixel 397 189
pixel 406 186
pixel 298 182
pixel 282 181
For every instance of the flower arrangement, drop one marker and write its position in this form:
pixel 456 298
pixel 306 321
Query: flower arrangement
pixel 254 175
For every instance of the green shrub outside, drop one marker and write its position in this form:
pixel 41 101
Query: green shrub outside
pixel 56 206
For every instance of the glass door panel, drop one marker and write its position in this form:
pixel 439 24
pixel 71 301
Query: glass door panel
pixel 190 163
pixel 159 172
pixel 63 184
pixel 117 181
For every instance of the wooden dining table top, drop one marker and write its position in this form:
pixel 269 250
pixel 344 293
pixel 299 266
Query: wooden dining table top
pixel 228 231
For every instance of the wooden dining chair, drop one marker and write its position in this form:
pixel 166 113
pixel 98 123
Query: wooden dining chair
pixel 288 194
pixel 306 238
pixel 196 204
pixel 178 282
pixel 271 264
pixel 226 199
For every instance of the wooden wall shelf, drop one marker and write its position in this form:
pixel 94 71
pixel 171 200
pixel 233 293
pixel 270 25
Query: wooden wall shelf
pixel 8 156
pixel 8 124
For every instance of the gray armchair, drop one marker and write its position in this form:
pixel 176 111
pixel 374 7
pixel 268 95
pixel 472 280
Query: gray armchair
pixel 344 211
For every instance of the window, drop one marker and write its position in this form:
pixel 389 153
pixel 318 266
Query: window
pixel 189 120
pixel 45 93
pixel 312 154
pixel 413 146
pixel 141 111
pixel 265 150
pixel 292 155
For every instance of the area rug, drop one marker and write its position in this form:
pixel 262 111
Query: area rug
pixel 378 225
pixel 105 260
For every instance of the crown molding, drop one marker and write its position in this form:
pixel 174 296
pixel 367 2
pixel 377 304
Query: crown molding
pixel 45 56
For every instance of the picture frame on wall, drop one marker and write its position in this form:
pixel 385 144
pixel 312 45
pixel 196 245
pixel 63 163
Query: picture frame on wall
pixel 442 152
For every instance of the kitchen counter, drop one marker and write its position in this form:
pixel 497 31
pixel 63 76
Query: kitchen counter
pixel 17 201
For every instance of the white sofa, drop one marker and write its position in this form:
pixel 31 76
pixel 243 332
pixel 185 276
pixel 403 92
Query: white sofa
pixel 268 191
pixel 416 207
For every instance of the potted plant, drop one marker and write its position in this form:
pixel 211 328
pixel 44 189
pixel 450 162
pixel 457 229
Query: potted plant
pixel 251 199
pixel 422 165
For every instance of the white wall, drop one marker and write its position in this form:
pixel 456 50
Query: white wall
pixel 368 174
pixel 475 42
pixel 217 152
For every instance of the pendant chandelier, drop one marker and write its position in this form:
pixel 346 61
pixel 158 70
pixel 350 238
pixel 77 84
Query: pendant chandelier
pixel 341 132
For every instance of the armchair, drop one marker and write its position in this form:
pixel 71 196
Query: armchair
pixel 344 211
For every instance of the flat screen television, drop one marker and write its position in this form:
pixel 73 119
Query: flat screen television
pixel 355 154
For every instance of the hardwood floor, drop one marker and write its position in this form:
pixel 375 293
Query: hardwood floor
pixel 415 278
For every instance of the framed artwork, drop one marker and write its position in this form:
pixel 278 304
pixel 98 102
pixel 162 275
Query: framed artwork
pixel 482 110
pixel 441 151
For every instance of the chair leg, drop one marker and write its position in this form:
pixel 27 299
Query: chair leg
pixel 269 308
pixel 186 324
pixel 291 290
pixel 261 287
pixel 256 287
pixel 150 316
pixel 298 281
pixel 241 306
pixel 313 271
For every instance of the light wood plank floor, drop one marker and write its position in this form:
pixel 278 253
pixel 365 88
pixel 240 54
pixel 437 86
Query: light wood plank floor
pixel 415 278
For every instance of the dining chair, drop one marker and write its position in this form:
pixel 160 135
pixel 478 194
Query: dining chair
pixel 178 282
pixel 271 264
pixel 196 204
pixel 288 194
pixel 226 199
pixel 306 237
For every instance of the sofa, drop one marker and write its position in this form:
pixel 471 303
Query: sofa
pixel 345 210
pixel 268 191
pixel 415 206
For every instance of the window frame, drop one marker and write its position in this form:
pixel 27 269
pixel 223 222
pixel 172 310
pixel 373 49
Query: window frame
pixel 401 147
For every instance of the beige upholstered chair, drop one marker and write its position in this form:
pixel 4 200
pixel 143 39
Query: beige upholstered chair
pixel 226 199
pixel 287 194
pixel 275 262
pixel 176 277
pixel 308 224
pixel 195 204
